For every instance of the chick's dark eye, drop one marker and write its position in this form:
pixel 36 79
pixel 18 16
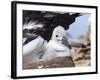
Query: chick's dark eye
pixel 56 35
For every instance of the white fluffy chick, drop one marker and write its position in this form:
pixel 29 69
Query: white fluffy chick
pixel 56 47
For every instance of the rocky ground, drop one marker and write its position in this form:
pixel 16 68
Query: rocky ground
pixel 81 56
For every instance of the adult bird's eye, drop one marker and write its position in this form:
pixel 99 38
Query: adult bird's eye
pixel 56 35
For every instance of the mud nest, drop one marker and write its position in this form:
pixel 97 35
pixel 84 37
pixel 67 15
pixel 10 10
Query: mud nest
pixel 58 62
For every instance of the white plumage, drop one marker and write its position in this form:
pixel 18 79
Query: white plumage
pixel 31 51
pixel 55 48
pixel 39 49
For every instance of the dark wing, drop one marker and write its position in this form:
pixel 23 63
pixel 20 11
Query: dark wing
pixel 50 20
